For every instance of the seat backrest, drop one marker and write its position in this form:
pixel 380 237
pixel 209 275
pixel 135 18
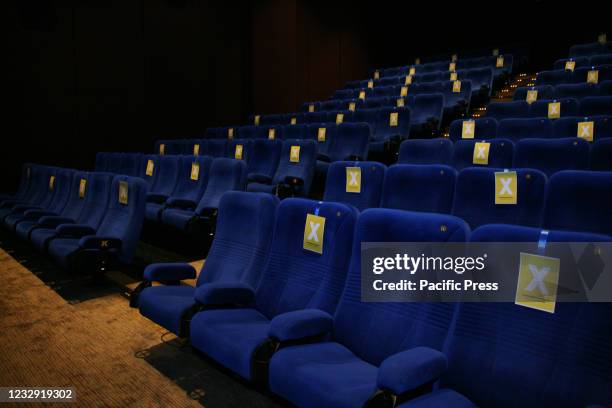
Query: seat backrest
pixel 315 117
pixel 376 330
pixel 392 121
pixel 596 105
pixel 503 110
pixel 49 188
pixel 77 196
pixel 240 149
pixel 61 187
pixel 298 278
pixel 556 77
pixel 425 107
pixel 426 188
pixel 543 108
pixel 242 238
pixel 123 219
pixel 248 132
pixel 132 164
pixel 472 153
pixel 581 75
pixel 356 183
pixel 149 169
pixel 578 62
pixel 576 126
pixel 452 97
pixel 300 166
pixel 369 116
pixel 605 88
pixel 524 128
pixel 167 175
pixel 579 201
pixel 101 161
pixel 264 159
pixel 97 196
pixel 215 148
pixel 324 134
pixel 601 155
pixel 475 196
pixel 602 59
pixel 544 92
pixel 191 182
pixel 350 142
pixel 483 129
pixel 576 91
pixel 225 175
pixel 426 151
pixel 552 155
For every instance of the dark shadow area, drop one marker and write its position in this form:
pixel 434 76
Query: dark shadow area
pixel 202 379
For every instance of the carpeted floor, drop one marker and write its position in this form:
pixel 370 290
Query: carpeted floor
pixel 112 356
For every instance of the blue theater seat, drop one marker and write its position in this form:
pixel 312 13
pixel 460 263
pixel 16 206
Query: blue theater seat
pixel 579 201
pixel 363 192
pixel 89 211
pixel 427 188
pixel 63 186
pixel 589 49
pixel 605 88
pixel 24 184
pixel 291 177
pixel 132 163
pixel 544 92
pixel 215 148
pixel 351 141
pixel 539 109
pixel 85 249
pixel 369 116
pixel 602 59
pixel 580 75
pixel 38 188
pixel 481 80
pixel 388 131
pixel 426 151
pixel 568 127
pixel 503 110
pixel 191 183
pixel 149 169
pixel 552 155
pixel 101 161
pixel 524 128
pixel 165 182
pixel 601 155
pixel 484 129
pixel 250 132
pixel 576 91
pixel 426 112
pixel 294 132
pixel 501 152
pixel 371 345
pixel 579 63
pixel 240 149
pixel 264 160
pixel 237 256
pixel 299 288
pixel 556 77
pixel 225 175
pixel 325 138
pixel 315 117
pixel 596 105
pixel 475 193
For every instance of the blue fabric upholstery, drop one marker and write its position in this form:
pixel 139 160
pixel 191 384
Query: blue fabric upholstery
pixel 579 62
pixel 484 129
pixel 524 128
pixel 555 77
pixel 293 279
pixel 372 177
pixel 350 142
pixel 544 92
pixel 576 91
pixel 188 191
pixel 475 198
pixel 225 175
pixel 601 155
pixel 568 127
pixel 427 188
pixel 300 324
pixel 238 254
pixel 225 294
pixel 427 108
pixel 596 105
pixel 344 371
pixel 552 155
pixel 264 160
pixel 426 151
pixel 501 152
pixel 579 201
pixel 539 109
pixel 410 369
pixel 503 110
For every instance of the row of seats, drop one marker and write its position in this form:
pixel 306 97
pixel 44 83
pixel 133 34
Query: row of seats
pixel 480 79
pixel 583 61
pixel 469 193
pixel 287 313
pixel 590 49
pixel 546 155
pixel 553 108
pixel 587 127
pixel 84 221
pixel 577 91
pixel 579 75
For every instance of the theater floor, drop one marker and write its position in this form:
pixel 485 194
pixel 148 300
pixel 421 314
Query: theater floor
pixel 107 351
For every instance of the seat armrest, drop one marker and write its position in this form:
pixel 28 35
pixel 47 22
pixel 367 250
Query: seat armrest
pixel 50 221
pixel 300 324
pixel 99 242
pixel 181 203
pixel 408 370
pixel 163 272
pixel 156 198
pixel 225 293
pixel 74 230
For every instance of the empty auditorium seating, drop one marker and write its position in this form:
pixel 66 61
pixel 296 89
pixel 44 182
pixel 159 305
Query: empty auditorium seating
pixel 215 148
pixel 479 153
pixel 581 75
pixel 577 63
pixel 575 126
pixel 299 290
pixel 589 49
pixel 426 151
pixel 165 181
pixel 556 77
pixel 541 92
pixel 264 160
pixel 392 125
pixel 601 155
pixel 84 248
pixel 426 113
pixel 225 175
pixel 524 128
pixel 502 110
pixel 552 155
pixel 427 188
pixel 96 192
pixel 481 129
pixel 238 255
pixel 24 183
pixel 355 183
pixel 595 105
pixel 554 108
pixel 371 345
pixel 295 170
pixel 350 141
pixel 478 189
pixel 576 91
